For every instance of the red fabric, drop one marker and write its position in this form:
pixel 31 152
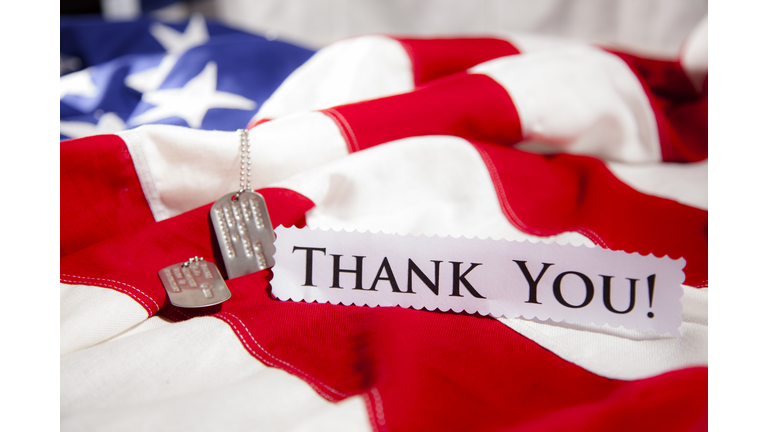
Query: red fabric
pixel 129 262
pixel 547 195
pixel 681 112
pixel 100 192
pixel 436 58
pixel 682 407
pixel 471 106
pixel 252 124
pixel 419 370
pixel 665 78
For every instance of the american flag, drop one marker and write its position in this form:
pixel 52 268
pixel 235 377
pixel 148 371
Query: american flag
pixel 513 136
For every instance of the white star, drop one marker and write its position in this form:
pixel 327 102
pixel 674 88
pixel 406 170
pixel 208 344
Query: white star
pixel 192 101
pixel 150 79
pixel 77 84
pixel 176 44
pixel 108 123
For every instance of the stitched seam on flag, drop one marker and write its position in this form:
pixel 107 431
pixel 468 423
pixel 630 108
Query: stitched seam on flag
pixel 148 186
pixel 182 313
pixel 346 129
pixel 507 207
pixel 121 283
pixel 121 290
pixel 267 362
pixel 412 57
pixel 288 365
pixel 588 233
pixel 369 410
pixel 379 407
pixel 702 284
pixel 496 180
pixel 349 134
pixel 116 288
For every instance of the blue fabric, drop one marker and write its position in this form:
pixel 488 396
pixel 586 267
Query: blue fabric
pixel 247 65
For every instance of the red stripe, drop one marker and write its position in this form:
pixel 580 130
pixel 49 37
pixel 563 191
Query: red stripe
pixel 472 106
pixel 129 262
pixel 681 407
pixel 681 112
pixel 437 58
pixel 100 192
pixel 664 78
pixel 547 195
pixel 344 127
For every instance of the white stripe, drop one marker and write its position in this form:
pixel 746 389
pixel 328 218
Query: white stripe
pixel 683 182
pixel 421 185
pixel 181 169
pixel 193 375
pixel 626 354
pixel 582 99
pixel 350 70
pixel 90 315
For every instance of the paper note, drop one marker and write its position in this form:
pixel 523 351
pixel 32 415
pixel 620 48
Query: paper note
pixel 514 279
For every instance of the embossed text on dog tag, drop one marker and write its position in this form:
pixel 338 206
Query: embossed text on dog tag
pixel 194 284
pixel 244 233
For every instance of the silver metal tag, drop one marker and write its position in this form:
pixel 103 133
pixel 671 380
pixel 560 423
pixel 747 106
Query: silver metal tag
pixel 244 233
pixel 194 284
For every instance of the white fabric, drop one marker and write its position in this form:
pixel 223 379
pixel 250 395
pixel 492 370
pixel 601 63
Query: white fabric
pixel 90 315
pixel 581 98
pixel 421 185
pixel 181 169
pixel 683 182
pixel 190 376
pixel 626 354
pixel 694 56
pixel 350 70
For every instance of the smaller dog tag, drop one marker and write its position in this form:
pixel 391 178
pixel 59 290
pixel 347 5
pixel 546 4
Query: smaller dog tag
pixel 194 284
pixel 244 233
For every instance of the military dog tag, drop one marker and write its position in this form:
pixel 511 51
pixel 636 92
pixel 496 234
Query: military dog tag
pixel 244 233
pixel 194 284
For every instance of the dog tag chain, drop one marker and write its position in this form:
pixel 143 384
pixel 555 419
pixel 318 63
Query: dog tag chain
pixel 241 223
pixel 194 284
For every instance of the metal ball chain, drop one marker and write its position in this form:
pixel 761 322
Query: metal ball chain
pixel 192 260
pixel 245 163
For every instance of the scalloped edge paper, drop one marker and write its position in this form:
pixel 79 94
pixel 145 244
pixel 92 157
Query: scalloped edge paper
pixel 484 276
